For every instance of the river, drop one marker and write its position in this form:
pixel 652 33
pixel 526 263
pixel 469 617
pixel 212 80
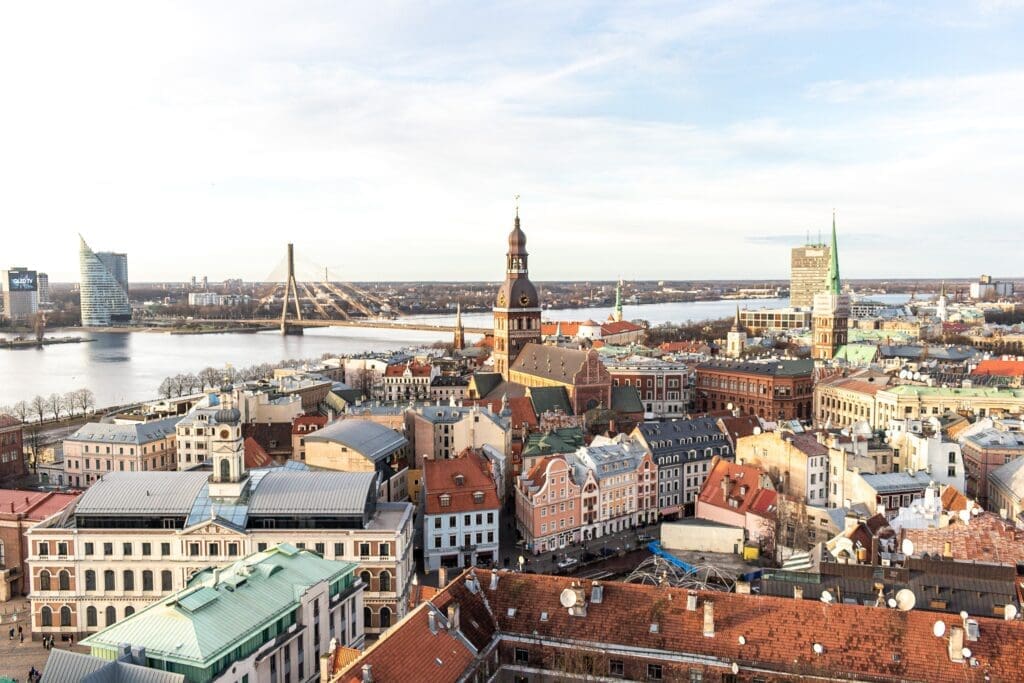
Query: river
pixel 125 367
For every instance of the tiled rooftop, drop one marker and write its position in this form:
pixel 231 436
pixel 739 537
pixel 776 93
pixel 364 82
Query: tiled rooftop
pixel 985 538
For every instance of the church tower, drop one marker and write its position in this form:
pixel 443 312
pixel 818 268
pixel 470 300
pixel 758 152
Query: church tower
pixel 736 338
pixel 831 317
pixel 517 307
pixel 227 451
pixel 459 341
pixel 616 316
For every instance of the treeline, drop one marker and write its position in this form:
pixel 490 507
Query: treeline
pixel 54 407
pixel 705 330
pixel 214 378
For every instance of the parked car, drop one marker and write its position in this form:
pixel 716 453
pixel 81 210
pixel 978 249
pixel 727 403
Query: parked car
pixel 568 562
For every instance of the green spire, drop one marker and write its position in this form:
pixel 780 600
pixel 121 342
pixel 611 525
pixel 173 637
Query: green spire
pixel 833 265
pixel 618 296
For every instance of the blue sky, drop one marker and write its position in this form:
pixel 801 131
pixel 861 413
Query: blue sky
pixel 387 140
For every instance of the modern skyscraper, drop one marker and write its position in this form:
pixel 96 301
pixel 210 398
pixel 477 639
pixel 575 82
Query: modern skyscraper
pixel 517 307
pixel 43 281
pixel 808 268
pixel 104 287
pixel 831 319
pixel 21 294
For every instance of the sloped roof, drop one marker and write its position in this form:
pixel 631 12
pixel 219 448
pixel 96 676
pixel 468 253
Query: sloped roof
pixel 8 421
pixel 314 491
pixel 64 666
pixel 34 505
pixel 776 368
pixel 550 362
pixel 560 440
pixel 202 622
pixel 371 439
pixel 549 398
pixel 619 327
pixel 485 382
pixel 857 353
pixel 439 478
pixel 132 493
pixel 255 456
pixel 986 538
pixel 1010 476
pixel 522 411
pixel 136 433
pixel 752 498
pixel 1000 367
pixel 626 400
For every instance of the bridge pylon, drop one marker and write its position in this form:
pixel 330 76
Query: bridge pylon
pixel 291 291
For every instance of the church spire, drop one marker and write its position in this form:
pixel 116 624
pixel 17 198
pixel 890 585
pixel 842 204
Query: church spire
pixel 617 315
pixel 736 320
pixel 833 265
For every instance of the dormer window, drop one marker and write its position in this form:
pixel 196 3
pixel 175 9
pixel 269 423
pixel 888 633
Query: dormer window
pixel 478 496
pixel 446 500
pixel 460 480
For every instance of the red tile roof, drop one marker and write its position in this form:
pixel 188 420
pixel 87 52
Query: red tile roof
pixel 522 411
pixel 808 445
pixel 307 421
pixel 683 347
pixel 569 328
pixel 439 477
pixel 1000 367
pixel 860 386
pixel 753 498
pixel 620 327
pixel 415 368
pixel 255 456
pixel 33 505
pixel 761 634
pixel 986 538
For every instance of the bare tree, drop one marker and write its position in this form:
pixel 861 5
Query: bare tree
pixel 192 382
pixel 55 404
pixel 84 400
pixel 167 387
pixel 210 377
pixel 70 402
pixel 180 386
pixel 21 410
pixel 38 407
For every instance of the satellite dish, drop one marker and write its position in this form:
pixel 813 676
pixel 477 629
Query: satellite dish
pixel 907 547
pixel 826 597
pixel 939 629
pixel 891 602
pixel 819 648
pixel 905 600
pixel 742 640
pixel 757 430
pixel 965 516
pixel 567 598
pixel 963 614
pixel 735 668
pixel 1010 612
pixel 966 652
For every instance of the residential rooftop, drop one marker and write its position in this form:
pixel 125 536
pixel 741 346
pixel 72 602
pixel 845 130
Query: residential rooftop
pixel 371 439
pixel 137 433
pixel 776 368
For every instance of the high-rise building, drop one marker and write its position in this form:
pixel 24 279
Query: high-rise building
pixel 517 308
pixel 808 269
pixel 831 318
pixel 21 293
pixel 104 287
pixel 43 282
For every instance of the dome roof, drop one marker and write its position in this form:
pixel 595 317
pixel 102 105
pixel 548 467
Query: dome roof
pixel 517 239
pixel 517 293
pixel 227 416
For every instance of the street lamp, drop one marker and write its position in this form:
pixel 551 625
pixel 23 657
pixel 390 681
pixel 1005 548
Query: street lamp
pixel 522 561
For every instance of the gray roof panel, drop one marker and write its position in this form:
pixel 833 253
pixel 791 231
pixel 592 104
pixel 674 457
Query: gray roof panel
pixel 322 492
pixel 373 440
pixel 131 493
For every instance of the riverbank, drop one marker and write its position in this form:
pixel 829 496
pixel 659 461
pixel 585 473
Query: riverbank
pixel 16 343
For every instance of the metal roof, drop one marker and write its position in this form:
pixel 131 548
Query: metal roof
pixel 219 610
pixel 132 493
pixel 63 666
pixel 374 441
pixel 291 492
pixel 897 481
pixel 137 433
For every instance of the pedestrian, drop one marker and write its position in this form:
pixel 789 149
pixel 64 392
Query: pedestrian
pixel 21 636
pixel 19 629
pixel 12 633
pixel 72 636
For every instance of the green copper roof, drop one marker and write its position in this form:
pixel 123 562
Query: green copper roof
pixel 857 353
pixel 833 264
pixel 562 440
pixel 220 611
pixel 973 392
pixel 618 296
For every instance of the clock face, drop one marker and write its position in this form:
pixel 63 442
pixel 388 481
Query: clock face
pixel 501 299
pixel 524 300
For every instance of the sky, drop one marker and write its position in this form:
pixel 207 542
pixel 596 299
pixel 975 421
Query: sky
pixel 387 140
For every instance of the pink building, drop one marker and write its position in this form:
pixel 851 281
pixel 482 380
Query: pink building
pixel 98 447
pixel 548 505
pixel 740 496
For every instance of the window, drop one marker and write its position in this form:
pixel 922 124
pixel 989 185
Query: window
pixel 128 611
pixel 89 548
pixel 147 548
pixel 317 548
pixel 385 583
pixel 110 616
pixel 108 580
pixel 62 549
pixel 364 549
pixel 654 672
pixel 367 617
pixel 46 615
pixel 90 616
pixel 214 549
pixel 260 547
pixel 129 580
pixel 147 580
pixel 339 549
pixel 44 549
pixel 65 616
pixel 193 549
pixel 951 471
pixel 165 580
pixel 364 576
pixel 616 668
pixel 446 500
pixel 90 580
pixel 44 580
pixel 522 656
pixel 385 617
pixel 696 676
pixel 64 580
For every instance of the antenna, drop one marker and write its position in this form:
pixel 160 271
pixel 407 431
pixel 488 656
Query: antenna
pixel 826 597
pixel 568 598
pixel 939 629
pixel 1010 611
pixel 907 547
pixel 905 600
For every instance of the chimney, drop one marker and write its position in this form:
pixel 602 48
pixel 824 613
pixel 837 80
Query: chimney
pixel 442 577
pixel 367 673
pixel 709 619
pixel 956 644
pixel 947 550
pixel 798 592
pixel 453 617
pixel 691 602
pixel 432 621
pixel 494 581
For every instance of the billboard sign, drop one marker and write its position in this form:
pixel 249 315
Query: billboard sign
pixel 22 281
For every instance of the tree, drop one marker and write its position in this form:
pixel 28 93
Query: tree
pixel 167 387
pixel 21 410
pixel 192 382
pixel 70 402
pixel 38 407
pixel 209 377
pixel 179 384
pixel 85 400
pixel 55 404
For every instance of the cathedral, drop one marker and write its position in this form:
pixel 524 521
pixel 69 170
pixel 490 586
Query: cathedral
pixel 517 307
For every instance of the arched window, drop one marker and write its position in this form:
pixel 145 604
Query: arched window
pixel 111 616
pixel 65 616
pixel 385 583
pixel 2 556
pixel 225 470
pixel 367 617
pixel 46 616
pixel 90 580
pixel 165 580
pixel 64 580
pixel 128 611
pixel 147 580
pixel 364 576
pixel 385 617
pixel 129 580
pixel 108 580
pixel 44 580
pixel 90 616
